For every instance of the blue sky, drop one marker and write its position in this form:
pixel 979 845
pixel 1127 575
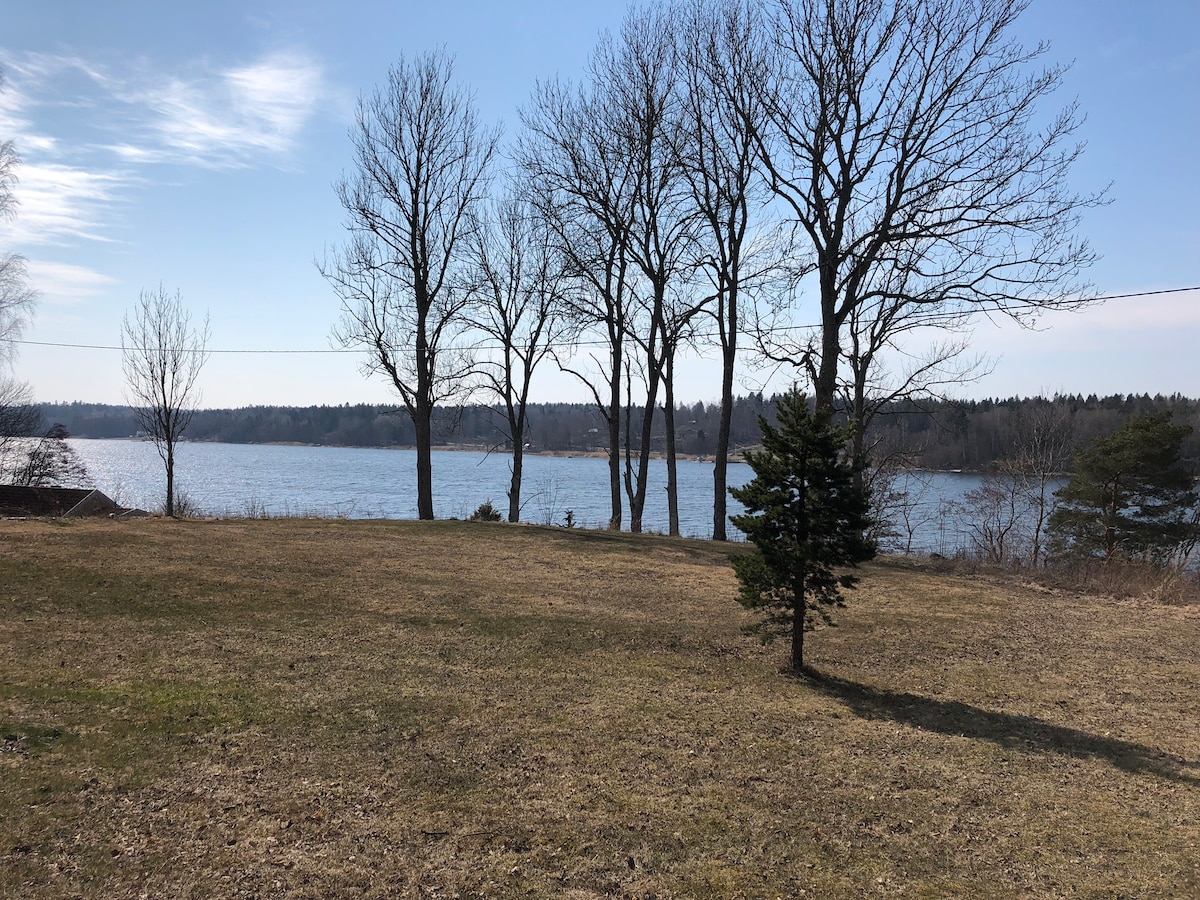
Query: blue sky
pixel 195 145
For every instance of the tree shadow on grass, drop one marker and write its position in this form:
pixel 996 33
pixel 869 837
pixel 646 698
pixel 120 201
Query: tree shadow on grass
pixel 1026 734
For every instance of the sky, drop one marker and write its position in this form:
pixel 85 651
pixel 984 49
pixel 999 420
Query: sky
pixel 195 146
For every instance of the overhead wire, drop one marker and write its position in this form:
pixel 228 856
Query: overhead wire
pixel 932 317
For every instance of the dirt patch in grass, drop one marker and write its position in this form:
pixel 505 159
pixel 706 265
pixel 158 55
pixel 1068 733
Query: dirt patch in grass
pixel 344 709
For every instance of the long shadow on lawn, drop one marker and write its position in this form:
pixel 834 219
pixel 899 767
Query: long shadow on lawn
pixel 1023 733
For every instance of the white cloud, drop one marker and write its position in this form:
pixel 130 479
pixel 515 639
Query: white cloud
pixel 61 193
pixel 64 284
pixel 42 66
pixel 16 126
pixel 63 111
pixel 213 117
pixel 230 119
pixel 60 202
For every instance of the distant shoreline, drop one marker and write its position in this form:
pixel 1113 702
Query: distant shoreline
pixel 735 457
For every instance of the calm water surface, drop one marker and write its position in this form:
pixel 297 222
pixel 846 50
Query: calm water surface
pixel 362 483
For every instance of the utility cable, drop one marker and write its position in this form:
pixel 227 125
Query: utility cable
pixel 778 329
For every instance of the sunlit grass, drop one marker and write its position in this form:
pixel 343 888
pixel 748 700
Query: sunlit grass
pixel 333 708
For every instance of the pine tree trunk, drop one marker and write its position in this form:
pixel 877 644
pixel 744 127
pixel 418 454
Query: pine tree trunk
pixel 798 616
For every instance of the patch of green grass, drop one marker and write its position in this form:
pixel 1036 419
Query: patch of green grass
pixel 31 738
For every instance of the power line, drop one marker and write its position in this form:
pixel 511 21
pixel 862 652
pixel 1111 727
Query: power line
pixel 483 346
pixel 114 347
pixel 1146 293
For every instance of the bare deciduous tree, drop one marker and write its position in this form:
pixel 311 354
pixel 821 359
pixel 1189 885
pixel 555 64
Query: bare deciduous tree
pixel 906 133
pixel 1009 511
pixel 637 75
pixel 521 302
pixel 19 417
pixel 900 504
pixel 162 355
pixel 17 299
pixel 16 296
pixel 997 516
pixel 422 163
pixel 1045 439
pixel 721 43
pixel 606 162
pixel 49 461
pixel 583 189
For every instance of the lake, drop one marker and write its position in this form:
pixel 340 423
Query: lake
pixel 367 483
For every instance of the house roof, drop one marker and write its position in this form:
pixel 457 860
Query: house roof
pixel 53 501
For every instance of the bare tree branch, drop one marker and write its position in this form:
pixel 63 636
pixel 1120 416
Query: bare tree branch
pixel 162 355
pixel 907 134
pixel 422 164
pixel 521 286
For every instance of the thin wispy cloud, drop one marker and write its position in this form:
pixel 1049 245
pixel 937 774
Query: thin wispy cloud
pixel 59 203
pixel 64 284
pixel 88 132
pixel 15 125
pixel 235 118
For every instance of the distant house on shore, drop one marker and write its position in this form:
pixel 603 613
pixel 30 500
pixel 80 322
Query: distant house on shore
pixel 56 502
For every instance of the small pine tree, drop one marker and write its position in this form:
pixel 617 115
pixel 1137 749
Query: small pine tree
pixel 485 512
pixel 1131 496
pixel 806 515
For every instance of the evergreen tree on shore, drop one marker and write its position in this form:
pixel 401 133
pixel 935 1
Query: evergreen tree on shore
pixel 806 516
pixel 1131 496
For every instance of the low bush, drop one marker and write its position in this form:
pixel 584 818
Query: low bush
pixel 486 513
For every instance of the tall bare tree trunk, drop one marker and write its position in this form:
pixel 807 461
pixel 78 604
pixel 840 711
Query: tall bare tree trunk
pixel 422 169
pixel 170 465
pixel 422 424
pixel 721 458
pixel 423 407
pixel 514 489
pixel 825 386
pixel 669 422
pixel 636 487
pixel 614 443
pixel 516 426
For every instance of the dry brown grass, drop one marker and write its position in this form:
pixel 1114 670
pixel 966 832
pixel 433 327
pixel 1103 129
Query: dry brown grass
pixel 344 709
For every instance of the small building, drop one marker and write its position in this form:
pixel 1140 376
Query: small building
pixel 55 502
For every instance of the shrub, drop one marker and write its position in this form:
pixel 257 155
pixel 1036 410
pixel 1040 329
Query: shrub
pixel 185 507
pixel 486 513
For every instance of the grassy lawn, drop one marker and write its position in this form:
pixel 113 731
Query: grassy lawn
pixel 382 709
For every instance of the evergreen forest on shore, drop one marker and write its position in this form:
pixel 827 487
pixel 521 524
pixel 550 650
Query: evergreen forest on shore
pixel 970 435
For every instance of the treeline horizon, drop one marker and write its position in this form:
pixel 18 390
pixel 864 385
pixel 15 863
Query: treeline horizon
pixel 971 435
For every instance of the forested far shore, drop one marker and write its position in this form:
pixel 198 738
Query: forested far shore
pixel 969 434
